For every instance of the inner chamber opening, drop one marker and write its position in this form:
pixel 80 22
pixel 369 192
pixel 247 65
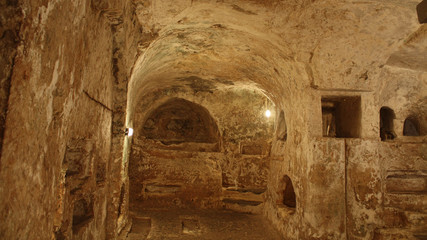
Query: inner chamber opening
pixel 216 156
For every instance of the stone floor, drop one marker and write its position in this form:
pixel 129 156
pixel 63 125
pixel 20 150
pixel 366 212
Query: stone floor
pixel 200 224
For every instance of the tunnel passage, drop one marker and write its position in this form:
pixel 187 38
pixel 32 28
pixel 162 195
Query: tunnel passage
pixel 237 74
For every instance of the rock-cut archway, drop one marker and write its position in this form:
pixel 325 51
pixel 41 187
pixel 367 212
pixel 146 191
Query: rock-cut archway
pixel 173 145
pixel 236 72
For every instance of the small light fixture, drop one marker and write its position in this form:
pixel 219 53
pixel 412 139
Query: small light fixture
pixel 129 132
pixel 267 113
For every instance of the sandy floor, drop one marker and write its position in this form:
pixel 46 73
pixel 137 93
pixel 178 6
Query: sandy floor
pixel 200 224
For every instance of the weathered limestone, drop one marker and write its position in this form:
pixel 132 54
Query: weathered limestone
pixel 56 100
pixel 194 79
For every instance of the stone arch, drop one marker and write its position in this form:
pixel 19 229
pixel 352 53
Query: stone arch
pixel 178 121
pixel 263 63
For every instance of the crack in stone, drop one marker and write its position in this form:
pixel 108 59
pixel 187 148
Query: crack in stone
pixel 95 100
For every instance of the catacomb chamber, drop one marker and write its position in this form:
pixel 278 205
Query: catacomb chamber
pixel 194 79
pixel 185 155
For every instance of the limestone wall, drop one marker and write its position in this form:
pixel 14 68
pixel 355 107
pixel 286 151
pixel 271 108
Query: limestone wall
pixel 56 160
pixel 75 74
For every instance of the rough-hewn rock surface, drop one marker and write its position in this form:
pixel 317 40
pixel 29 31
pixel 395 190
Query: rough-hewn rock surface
pixel 10 20
pixel 342 156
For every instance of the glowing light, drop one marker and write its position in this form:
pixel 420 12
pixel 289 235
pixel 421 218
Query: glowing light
pixel 267 113
pixel 129 132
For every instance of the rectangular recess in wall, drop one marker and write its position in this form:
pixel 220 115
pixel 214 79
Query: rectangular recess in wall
pixel 341 116
pixel 406 184
pixel 82 212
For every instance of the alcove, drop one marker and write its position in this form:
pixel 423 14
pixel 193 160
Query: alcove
pixel 287 194
pixel 386 124
pixel 341 116
pixel 82 213
pixel 411 127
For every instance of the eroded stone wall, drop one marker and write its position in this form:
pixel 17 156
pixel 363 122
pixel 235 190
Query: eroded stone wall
pixel 10 22
pixel 55 164
pixel 64 165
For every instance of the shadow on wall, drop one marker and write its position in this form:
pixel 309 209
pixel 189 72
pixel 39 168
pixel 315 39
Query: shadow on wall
pixel 281 132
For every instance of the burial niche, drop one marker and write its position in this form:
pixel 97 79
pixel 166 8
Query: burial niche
pixel 386 124
pixel 82 213
pixel 411 127
pixel 178 121
pixel 341 116
pixel 288 194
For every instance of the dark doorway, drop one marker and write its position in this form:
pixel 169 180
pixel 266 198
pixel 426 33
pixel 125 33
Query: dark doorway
pixel 386 124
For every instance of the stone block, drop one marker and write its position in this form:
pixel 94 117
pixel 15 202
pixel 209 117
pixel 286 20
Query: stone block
pixel 326 186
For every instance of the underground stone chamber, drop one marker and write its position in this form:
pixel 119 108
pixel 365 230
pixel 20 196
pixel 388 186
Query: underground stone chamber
pixel 206 150
pixel 202 137
pixel 341 154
